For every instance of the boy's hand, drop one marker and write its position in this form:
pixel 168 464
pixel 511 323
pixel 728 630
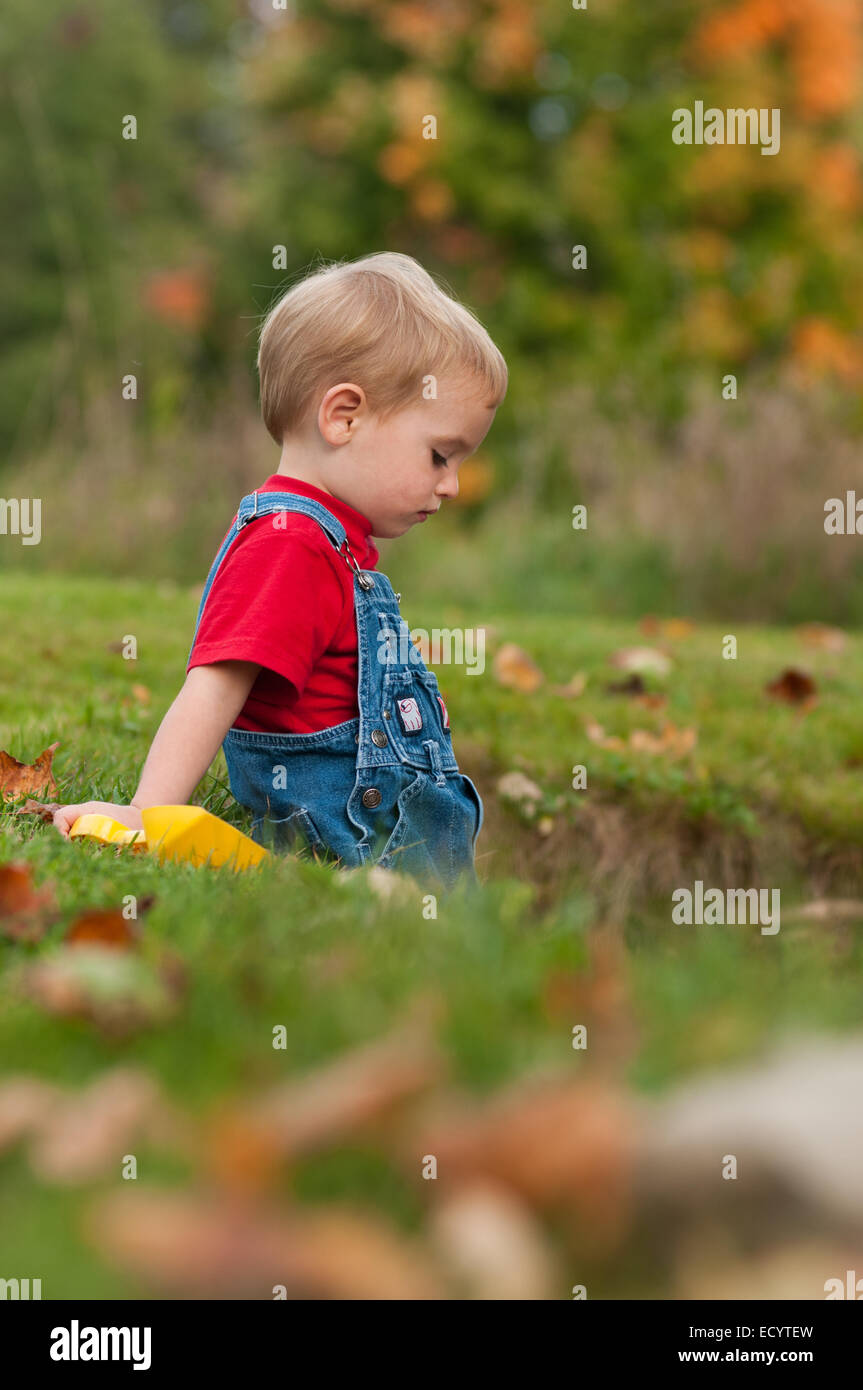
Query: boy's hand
pixel 66 817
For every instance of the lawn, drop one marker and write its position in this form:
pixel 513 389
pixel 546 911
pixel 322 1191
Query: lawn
pixel 488 984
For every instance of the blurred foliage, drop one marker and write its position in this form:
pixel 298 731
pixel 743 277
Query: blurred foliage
pixel 302 127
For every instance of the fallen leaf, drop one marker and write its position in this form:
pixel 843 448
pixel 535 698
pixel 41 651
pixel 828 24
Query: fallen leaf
pixel 196 1244
pixel 513 667
pixel 102 927
pixel 652 700
pixel 573 688
pixel 25 912
pixel 794 687
pixel 25 1102
pixel 87 1132
pixel 557 1143
pixel 43 809
pixel 830 639
pixel 641 659
pixel 20 779
pixel 596 733
pixel 671 742
pixel 360 1087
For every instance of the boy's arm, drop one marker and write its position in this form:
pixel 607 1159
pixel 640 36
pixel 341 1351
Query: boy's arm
pixel 185 745
pixel 191 732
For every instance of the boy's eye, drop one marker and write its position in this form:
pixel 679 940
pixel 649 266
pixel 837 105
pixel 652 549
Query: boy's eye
pixel 437 458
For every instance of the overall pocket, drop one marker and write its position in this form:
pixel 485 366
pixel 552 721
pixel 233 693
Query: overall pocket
pixel 435 831
pixel 414 711
pixel 294 834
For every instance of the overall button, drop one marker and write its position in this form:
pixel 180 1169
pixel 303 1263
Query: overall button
pixel 379 737
pixel 371 797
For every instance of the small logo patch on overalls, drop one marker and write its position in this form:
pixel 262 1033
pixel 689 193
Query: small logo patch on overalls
pixel 409 714
pixel 443 711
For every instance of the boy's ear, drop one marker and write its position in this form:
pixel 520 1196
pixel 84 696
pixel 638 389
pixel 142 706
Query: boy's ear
pixel 339 409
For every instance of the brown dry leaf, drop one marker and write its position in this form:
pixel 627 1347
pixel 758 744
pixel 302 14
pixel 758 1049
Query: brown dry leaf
pixel 22 779
pixel 641 659
pixel 793 687
pixel 43 809
pixel 513 667
pixel 25 912
pixel 671 742
pixel 142 694
pixel 557 1143
pixel 25 1103
pixel 103 927
pixel 652 700
pixel 596 733
pixel 671 628
pixel 573 688
pixel 86 1133
pixel 349 1093
pixel 213 1247
pixel 829 639
pixel 493 1245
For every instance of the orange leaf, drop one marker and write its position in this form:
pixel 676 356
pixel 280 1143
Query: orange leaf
pixel 102 927
pixel 25 913
pixel 20 779
pixel 830 639
pixel 558 1143
pixel 513 667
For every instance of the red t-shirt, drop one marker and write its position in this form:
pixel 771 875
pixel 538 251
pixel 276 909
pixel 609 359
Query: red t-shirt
pixel 284 598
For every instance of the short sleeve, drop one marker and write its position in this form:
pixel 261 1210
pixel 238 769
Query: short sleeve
pixel 276 600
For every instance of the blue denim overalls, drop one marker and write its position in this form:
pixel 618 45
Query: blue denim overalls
pixel 383 787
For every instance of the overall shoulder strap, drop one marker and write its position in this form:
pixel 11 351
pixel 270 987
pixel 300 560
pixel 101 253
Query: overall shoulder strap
pixel 265 503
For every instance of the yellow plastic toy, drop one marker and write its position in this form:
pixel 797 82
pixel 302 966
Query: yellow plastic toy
pixel 177 832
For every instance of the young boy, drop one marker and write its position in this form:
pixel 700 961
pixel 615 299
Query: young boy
pixel 376 385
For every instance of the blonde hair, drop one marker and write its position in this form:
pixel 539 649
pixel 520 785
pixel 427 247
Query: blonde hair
pixel 381 321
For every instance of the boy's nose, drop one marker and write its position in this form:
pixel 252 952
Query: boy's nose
pixel 448 487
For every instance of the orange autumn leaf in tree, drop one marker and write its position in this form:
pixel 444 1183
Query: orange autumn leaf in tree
pixel 819 347
pixel 179 297
pixel 24 779
pixel 475 478
pixel 824 41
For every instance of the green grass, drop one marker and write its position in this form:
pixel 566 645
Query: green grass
pixel 299 945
